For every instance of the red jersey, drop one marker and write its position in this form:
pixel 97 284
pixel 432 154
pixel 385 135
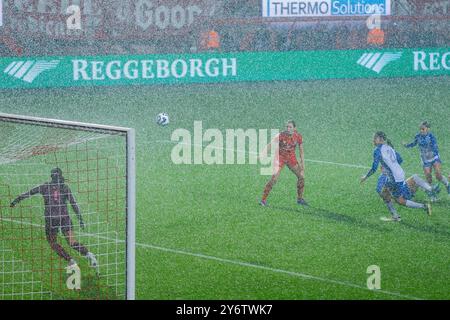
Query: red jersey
pixel 288 142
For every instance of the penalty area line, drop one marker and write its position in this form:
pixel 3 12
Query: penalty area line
pixel 276 270
pixel 239 263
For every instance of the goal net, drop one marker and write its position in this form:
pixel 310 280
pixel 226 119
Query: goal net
pixel 66 210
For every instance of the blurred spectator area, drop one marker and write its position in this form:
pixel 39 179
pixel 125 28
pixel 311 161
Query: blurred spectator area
pixel 38 28
pixel 331 33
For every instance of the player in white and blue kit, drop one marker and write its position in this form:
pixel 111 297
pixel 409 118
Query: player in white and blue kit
pixel 383 184
pixel 383 191
pixel 385 155
pixel 429 154
pixel 413 183
pixel 383 179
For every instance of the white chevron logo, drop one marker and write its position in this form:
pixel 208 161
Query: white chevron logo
pixel 377 61
pixel 29 70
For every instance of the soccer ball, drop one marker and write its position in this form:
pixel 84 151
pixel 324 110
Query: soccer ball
pixel 162 119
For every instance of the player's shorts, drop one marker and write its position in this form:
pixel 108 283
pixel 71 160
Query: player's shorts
pixel 430 163
pixel 382 183
pixel 400 189
pixel 54 224
pixel 290 160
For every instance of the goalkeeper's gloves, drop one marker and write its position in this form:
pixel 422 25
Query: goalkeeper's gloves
pixel 14 203
pixel 81 224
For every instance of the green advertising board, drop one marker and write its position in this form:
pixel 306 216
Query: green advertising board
pixel 44 72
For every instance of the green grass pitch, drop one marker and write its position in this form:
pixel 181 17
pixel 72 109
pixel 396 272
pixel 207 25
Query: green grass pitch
pixel 200 231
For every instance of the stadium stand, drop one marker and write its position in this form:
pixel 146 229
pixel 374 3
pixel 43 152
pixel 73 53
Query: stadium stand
pixel 124 27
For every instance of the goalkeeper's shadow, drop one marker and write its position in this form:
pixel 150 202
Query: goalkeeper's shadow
pixel 93 287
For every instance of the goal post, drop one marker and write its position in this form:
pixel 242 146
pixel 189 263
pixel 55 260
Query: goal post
pixel 131 216
pixel 73 238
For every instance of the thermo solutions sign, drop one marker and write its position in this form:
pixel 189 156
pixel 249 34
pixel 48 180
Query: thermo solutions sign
pixel 317 8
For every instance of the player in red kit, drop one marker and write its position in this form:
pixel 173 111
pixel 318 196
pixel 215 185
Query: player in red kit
pixel 287 141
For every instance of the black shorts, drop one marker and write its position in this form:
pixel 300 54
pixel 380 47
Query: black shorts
pixel 54 224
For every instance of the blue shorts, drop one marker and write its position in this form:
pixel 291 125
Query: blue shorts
pixel 400 189
pixel 382 182
pixel 431 163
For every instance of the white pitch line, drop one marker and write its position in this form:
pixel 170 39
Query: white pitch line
pixel 349 165
pixel 239 263
pixel 291 273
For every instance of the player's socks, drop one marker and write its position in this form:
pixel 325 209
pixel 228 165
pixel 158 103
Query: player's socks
pixel 436 188
pixel 56 247
pixel 72 263
pixel 80 248
pixel 91 257
pixel 415 205
pixel 300 188
pixel 422 183
pixel 267 190
pixel 93 261
pixel 444 181
pixel 392 209
pixel 433 194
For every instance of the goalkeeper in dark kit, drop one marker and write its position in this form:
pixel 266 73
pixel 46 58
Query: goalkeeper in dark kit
pixel 56 194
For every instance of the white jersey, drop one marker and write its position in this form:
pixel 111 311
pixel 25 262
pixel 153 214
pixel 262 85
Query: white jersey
pixel 390 162
pixel 387 157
